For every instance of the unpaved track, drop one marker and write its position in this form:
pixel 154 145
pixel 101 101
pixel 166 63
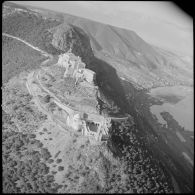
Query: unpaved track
pixel 33 47
pixel 67 108
pixel 38 103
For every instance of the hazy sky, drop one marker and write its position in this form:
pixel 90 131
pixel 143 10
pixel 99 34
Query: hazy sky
pixel 159 23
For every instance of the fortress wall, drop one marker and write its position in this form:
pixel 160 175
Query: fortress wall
pixel 88 105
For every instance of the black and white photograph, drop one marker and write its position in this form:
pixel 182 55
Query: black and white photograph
pixel 97 97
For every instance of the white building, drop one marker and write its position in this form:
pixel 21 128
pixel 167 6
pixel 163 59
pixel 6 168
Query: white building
pixel 75 122
pixel 75 67
pixel 89 75
pixel 63 60
pixel 96 130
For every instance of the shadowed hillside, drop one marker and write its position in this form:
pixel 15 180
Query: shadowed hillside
pixel 109 84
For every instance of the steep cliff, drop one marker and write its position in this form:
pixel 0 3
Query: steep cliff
pixel 67 36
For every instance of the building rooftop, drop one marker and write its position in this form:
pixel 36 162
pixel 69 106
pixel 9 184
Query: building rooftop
pixel 73 57
pixel 81 65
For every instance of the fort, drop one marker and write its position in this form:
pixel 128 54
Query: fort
pixel 76 111
pixel 75 68
pixel 94 126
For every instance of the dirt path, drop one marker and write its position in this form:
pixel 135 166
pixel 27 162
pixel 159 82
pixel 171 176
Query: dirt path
pixel 33 47
pixel 38 103
pixel 67 108
pixel 54 135
pixel 119 119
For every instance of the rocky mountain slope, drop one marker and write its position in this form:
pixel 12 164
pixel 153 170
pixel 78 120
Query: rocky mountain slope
pixel 67 36
pixel 132 57
pixel 124 48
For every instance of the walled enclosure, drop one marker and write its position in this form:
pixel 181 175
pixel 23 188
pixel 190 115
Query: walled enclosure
pixel 93 126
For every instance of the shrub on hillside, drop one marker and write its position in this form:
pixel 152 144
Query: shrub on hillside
pixel 59 160
pixel 18 57
pixel 60 168
pixel 32 28
pixel 17 102
pixel 23 166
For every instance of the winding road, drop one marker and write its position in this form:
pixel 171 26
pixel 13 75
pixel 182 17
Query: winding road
pixel 42 109
pixel 69 109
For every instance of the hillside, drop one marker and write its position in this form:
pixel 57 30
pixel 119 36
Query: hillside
pixel 66 36
pixel 30 27
pixel 47 156
pixel 137 57
pixel 41 152
pixel 142 63
pixel 17 57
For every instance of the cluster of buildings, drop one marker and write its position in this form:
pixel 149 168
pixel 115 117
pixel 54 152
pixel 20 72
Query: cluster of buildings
pixel 75 68
pixel 92 125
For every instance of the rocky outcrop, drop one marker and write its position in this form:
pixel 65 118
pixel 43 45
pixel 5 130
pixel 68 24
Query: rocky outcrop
pixel 67 36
